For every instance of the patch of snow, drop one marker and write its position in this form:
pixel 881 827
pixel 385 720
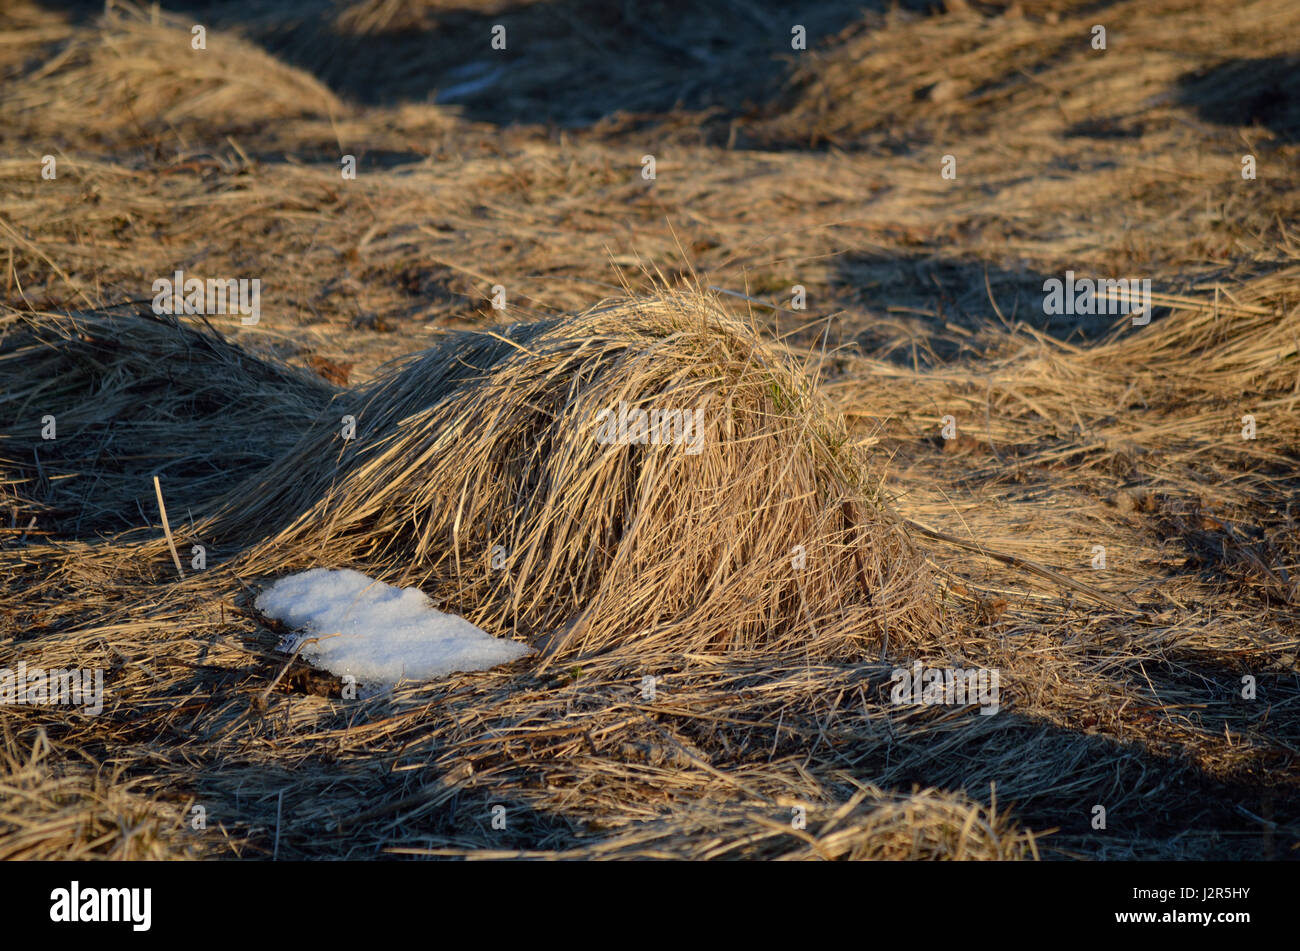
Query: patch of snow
pixel 377 633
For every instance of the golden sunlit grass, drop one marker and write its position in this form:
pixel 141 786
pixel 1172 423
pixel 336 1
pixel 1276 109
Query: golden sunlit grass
pixel 770 584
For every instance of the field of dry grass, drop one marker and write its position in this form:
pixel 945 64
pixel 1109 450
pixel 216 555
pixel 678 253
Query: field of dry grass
pixel 1163 686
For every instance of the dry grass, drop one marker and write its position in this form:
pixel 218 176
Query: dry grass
pixel 1022 74
pixel 772 686
pixel 488 443
pixel 57 804
pixel 139 77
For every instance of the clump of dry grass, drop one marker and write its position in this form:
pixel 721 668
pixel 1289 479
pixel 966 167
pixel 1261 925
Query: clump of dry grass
pixel 131 397
pixel 141 65
pixel 964 72
pixel 476 473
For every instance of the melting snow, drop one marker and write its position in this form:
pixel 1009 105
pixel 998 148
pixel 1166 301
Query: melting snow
pixel 378 633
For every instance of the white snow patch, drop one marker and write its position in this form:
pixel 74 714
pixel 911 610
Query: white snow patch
pixel 378 633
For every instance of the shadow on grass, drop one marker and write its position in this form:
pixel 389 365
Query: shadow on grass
pixel 571 63
pixel 928 305
pixel 1242 92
